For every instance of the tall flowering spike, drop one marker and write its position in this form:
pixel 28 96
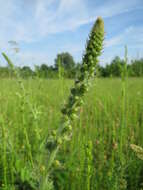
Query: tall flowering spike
pixel 71 109
pixel 94 47
pixel 93 50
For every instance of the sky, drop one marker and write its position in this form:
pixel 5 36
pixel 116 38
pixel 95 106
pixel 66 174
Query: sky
pixel 44 28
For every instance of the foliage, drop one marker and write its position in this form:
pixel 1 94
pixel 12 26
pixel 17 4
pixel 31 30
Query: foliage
pixel 70 69
pixel 136 68
pixel 96 134
pixel 67 61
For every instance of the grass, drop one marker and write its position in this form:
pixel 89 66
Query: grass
pixel 95 158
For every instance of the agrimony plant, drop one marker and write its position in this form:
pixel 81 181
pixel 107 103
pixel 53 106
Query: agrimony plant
pixel 81 85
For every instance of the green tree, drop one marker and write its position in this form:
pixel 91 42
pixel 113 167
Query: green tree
pixel 67 61
pixel 116 66
pixel 136 68
pixel 113 69
pixel 44 70
pixel 4 72
pixel 26 72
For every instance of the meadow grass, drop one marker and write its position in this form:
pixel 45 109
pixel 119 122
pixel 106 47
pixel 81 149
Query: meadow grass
pixel 95 158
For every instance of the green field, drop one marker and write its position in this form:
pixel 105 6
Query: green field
pixel 99 154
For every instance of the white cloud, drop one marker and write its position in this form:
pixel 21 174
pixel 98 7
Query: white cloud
pixel 113 41
pixel 132 36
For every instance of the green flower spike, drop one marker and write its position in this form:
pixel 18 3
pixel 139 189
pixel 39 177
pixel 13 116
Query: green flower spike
pixel 71 109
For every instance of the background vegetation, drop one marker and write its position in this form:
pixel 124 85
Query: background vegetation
pixel 93 156
pixel 70 69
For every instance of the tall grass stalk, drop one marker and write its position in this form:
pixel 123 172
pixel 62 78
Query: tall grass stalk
pixel 123 103
pixel 4 154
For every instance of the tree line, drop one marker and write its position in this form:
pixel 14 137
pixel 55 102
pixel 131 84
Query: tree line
pixel 66 67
